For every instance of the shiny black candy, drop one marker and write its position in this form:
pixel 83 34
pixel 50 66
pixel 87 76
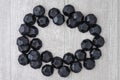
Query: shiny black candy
pixel 24 48
pixel 83 27
pixel 59 19
pixel 80 55
pixel 36 44
pixel 46 56
pixel 29 19
pixel 57 62
pixel 36 64
pixel 64 71
pixel 91 19
pixel 86 44
pixel 68 10
pixel 68 58
pixel 76 67
pixel 98 41
pixel 71 23
pixel 33 31
pixel 78 16
pixel 70 62
pixel 24 29
pixel 23 60
pixel 43 21
pixel 89 63
pixel 53 12
pixel 21 41
pixel 95 53
pixel 39 11
pixel 47 70
pixel 34 55
pixel 95 30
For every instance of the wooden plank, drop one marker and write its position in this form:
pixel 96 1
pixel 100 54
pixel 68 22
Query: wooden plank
pixel 19 9
pixel 106 11
pixel 5 40
pixel 118 58
pixel 60 39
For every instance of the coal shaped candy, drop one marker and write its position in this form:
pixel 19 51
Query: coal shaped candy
pixel 95 53
pixel 24 29
pixel 29 19
pixel 34 55
pixel 36 64
pixel 64 71
pixel 68 58
pixel 46 56
pixel 80 55
pixel 39 11
pixel 77 16
pixel 36 44
pixel 59 19
pixel 89 63
pixel 86 44
pixel 71 23
pixel 33 31
pixel 69 62
pixel 68 10
pixel 83 27
pixel 23 60
pixel 21 41
pixel 91 19
pixel 24 48
pixel 57 62
pixel 95 30
pixel 43 21
pixel 76 67
pixel 47 70
pixel 98 41
pixel 53 12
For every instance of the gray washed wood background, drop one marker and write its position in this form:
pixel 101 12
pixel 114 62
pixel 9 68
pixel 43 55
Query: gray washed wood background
pixel 60 39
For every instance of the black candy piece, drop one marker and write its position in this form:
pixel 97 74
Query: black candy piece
pixel 46 56
pixel 47 70
pixel 95 30
pixel 24 29
pixel 23 60
pixel 76 67
pixel 95 53
pixel 71 23
pixel 29 19
pixel 64 71
pixel 83 27
pixel 86 44
pixel 68 10
pixel 78 16
pixel 53 12
pixel 36 64
pixel 33 31
pixel 68 58
pixel 21 41
pixel 24 48
pixel 89 63
pixel 36 43
pixel 43 21
pixel 57 62
pixel 39 11
pixel 91 19
pixel 80 55
pixel 98 41
pixel 34 55
pixel 59 19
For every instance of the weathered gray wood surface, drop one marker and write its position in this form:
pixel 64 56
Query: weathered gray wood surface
pixel 60 39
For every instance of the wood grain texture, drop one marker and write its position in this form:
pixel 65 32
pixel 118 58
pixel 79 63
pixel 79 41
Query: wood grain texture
pixel 60 39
